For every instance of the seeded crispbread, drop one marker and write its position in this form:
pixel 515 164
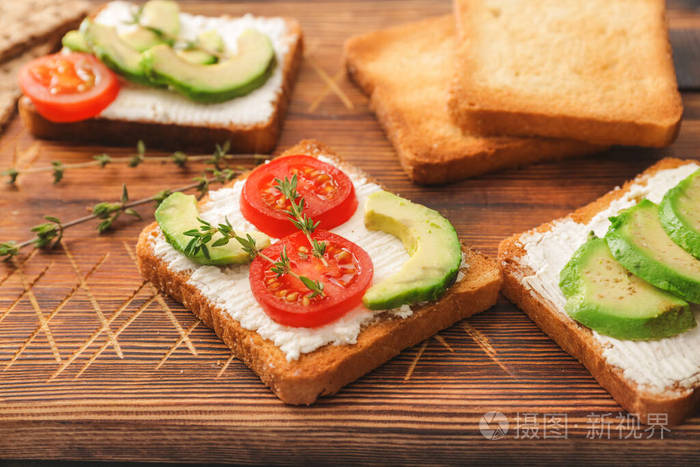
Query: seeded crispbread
pixel 598 71
pixel 329 368
pixel 9 89
pixel 26 23
pixel 406 71
pixel 578 340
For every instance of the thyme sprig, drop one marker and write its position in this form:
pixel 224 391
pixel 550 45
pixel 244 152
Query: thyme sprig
pixel 288 188
pixel 46 235
pixel 205 233
pixel 179 158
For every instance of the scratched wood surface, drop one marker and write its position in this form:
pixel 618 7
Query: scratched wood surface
pixel 95 365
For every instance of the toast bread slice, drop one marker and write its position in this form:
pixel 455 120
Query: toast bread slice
pixel 28 23
pixel 328 368
pixel 406 71
pixel 578 340
pixel 243 138
pixel 596 71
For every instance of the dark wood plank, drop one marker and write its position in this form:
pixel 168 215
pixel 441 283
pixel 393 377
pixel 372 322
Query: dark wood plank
pixel 189 408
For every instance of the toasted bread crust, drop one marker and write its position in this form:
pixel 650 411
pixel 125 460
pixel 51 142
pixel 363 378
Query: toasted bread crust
pixel 640 114
pixel 261 138
pixel 329 368
pixel 577 339
pixel 405 71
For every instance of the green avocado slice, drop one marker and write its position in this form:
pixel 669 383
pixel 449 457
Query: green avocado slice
pixel 178 213
pixel 679 212
pixel 609 299
pixel 638 241
pixel 234 77
pixel 162 16
pixel 142 39
pixel 75 41
pixel 197 56
pixel 430 240
pixel 113 51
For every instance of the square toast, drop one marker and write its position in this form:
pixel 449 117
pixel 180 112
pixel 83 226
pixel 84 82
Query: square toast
pixel 406 71
pixel 327 369
pixel 596 71
pixel 646 377
pixel 260 137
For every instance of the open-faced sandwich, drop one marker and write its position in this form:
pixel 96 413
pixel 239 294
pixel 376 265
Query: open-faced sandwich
pixel 311 273
pixel 168 78
pixel 616 284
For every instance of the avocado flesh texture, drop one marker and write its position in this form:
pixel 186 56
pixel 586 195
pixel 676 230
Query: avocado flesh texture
pixel 75 41
pixel 162 16
pixel 178 213
pixel 638 241
pixel 429 239
pixel 113 51
pixel 234 77
pixel 197 56
pixel 609 299
pixel 142 39
pixel 680 214
pixel 211 41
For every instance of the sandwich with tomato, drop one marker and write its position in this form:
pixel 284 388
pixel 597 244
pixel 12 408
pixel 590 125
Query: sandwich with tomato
pixel 169 78
pixel 311 273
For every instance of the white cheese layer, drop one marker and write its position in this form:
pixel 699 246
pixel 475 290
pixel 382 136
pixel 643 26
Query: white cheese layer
pixel 661 365
pixel 229 288
pixel 142 103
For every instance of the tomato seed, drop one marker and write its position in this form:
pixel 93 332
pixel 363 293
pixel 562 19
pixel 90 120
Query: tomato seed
pixel 305 300
pixel 292 296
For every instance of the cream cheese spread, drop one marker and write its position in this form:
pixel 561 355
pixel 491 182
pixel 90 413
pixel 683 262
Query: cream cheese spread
pixel 142 103
pixel 667 364
pixel 229 288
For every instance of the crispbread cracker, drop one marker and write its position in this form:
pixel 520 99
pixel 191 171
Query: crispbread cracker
pixel 598 70
pixel 24 23
pixel 406 71
pixel 9 89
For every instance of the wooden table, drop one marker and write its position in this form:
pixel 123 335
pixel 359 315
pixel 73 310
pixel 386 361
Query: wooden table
pixel 176 395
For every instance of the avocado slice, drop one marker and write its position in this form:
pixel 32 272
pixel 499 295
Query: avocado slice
pixel 178 213
pixel 679 212
pixel 197 56
pixel 638 241
pixel 75 41
pixel 113 51
pixel 609 299
pixel 430 240
pixel 234 77
pixel 211 41
pixel 162 16
pixel 142 39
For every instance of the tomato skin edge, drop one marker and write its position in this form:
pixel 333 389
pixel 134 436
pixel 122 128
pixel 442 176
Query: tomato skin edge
pixel 71 107
pixel 277 224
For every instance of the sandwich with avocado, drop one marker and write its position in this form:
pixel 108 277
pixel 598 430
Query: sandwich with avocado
pixel 311 272
pixel 169 78
pixel 617 285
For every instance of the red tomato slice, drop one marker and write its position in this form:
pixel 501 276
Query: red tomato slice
pixel 288 301
pixel 68 87
pixel 329 195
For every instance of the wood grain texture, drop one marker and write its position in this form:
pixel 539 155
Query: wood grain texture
pixel 177 396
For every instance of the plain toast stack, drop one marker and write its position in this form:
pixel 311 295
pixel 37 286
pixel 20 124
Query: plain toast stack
pixel 506 83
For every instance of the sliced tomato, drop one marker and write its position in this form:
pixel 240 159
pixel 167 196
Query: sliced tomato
pixel 345 276
pixel 329 195
pixel 68 87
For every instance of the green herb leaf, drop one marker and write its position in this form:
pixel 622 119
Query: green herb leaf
pixel 103 159
pixel 8 250
pixel 12 173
